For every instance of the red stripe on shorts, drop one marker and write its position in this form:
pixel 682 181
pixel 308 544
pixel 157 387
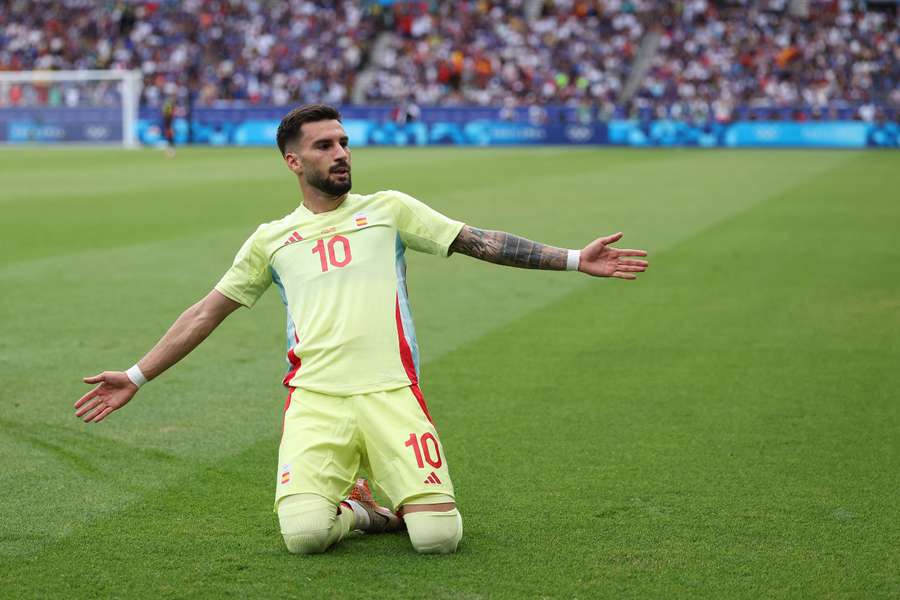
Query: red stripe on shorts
pixel 287 405
pixel 418 394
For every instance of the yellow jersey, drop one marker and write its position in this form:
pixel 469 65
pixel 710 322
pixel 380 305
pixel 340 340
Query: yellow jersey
pixel 342 277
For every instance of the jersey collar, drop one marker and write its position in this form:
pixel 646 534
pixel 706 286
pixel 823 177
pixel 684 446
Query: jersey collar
pixel 308 213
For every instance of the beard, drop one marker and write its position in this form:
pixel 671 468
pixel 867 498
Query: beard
pixel 330 186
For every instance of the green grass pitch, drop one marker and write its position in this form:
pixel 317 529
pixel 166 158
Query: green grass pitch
pixel 727 426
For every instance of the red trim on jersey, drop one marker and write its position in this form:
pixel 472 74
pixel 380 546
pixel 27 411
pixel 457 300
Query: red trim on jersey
pixel 405 353
pixel 418 394
pixel 295 366
pixel 409 365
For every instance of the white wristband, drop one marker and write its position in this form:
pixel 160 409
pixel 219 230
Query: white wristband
pixel 573 260
pixel 136 376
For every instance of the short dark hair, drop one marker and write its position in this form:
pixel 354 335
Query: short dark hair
pixel 289 128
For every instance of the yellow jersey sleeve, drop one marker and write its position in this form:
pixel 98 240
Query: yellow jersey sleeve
pixel 249 276
pixel 422 228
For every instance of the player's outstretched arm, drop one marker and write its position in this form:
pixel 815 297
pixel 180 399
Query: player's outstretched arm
pixel 598 258
pixel 115 388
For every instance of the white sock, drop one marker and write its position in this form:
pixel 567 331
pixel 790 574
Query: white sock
pixel 362 516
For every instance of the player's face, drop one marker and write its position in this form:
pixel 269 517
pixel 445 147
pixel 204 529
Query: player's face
pixel 324 157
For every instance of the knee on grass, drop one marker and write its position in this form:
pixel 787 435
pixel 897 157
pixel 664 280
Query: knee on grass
pixel 434 532
pixel 306 522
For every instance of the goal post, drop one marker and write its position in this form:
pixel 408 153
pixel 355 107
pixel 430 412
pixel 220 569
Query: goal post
pixel 89 106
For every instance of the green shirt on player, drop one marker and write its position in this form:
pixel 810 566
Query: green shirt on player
pixel 342 278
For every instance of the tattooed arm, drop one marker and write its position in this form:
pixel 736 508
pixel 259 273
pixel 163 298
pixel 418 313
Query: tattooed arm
pixel 507 249
pixel 597 258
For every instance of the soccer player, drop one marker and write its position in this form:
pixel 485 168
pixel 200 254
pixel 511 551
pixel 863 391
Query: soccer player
pixel 168 128
pixel 354 399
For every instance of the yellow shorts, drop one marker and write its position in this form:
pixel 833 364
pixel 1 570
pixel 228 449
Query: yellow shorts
pixel 326 439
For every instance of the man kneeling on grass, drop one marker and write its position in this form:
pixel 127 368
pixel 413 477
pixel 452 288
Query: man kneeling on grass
pixel 354 399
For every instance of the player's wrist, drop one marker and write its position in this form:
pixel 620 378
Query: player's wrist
pixel 136 376
pixel 573 260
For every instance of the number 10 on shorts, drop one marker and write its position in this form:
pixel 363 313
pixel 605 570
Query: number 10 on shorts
pixel 425 446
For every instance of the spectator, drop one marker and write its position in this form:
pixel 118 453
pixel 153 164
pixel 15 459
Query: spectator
pixel 717 60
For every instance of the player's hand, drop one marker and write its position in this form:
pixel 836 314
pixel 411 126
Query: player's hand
pixel 601 260
pixel 114 392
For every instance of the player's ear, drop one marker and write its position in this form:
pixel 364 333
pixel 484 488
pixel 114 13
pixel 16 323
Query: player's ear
pixel 293 162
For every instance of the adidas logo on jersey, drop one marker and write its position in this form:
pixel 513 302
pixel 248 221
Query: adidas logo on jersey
pixel 295 237
pixel 432 478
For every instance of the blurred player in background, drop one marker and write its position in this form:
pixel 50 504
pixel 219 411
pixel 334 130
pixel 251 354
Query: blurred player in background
pixel 168 126
pixel 354 399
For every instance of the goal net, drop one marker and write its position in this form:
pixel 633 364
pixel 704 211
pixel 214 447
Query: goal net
pixel 85 107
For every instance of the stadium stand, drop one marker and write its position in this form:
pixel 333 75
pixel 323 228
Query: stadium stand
pixel 755 60
pixel 696 60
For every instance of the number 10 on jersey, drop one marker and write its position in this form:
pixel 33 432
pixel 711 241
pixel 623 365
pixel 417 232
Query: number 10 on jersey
pixel 330 256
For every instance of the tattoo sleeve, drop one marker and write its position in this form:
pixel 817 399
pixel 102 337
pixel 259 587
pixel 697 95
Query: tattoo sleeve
pixel 504 248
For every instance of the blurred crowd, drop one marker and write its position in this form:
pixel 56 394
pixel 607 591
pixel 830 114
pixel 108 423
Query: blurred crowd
pixel 495 54
pixel 217 50
pixel 716 58
pixel 703 59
